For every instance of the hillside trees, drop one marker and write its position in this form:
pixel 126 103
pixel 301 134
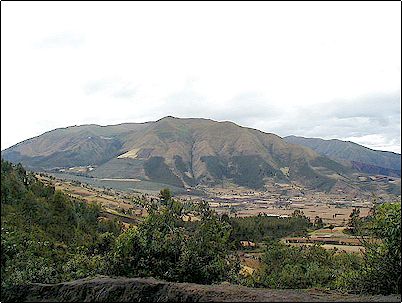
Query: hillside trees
pixel 46 236
pixel 318 222
pixel 165 195
pixel 164 248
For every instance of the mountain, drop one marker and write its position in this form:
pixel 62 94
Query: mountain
pixel 181 153
pixel 359 157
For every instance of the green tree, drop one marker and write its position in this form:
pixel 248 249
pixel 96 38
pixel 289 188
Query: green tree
pixel 165 195
pixel 318 223
pixel 355 221
pixel 205 257
pixel 381 272
pixel 303 267
pixel 164 248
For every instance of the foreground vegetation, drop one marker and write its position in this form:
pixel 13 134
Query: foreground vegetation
pixel 48 237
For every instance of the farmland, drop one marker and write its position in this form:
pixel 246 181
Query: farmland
pixel 279 202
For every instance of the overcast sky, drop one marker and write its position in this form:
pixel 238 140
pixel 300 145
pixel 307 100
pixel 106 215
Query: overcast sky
pixel 328 70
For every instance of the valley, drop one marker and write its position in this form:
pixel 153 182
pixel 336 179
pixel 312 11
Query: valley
pixel 118 198
pixel 277 199
pixel 171 188
pixel 280 201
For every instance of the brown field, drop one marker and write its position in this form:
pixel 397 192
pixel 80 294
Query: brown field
pixel 339 248
pixel 347 243
pixel 119 205
pixel 283 199
pixel 327 213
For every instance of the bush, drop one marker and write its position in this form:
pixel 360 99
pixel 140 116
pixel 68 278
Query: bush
pixel 304 266
pixel 161 247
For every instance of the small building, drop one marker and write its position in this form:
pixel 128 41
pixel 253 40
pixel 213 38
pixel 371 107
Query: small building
pixel 247 244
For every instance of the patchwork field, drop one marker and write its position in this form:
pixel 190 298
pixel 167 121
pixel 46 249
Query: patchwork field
pixel 329 239
pixel 332 208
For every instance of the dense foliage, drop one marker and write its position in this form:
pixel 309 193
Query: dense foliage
pixel 305 267
pixel 157 170
pixel 163 247
pixel 377 271
pixel 47 236
pixel 381 271
pixel 245 170
pixel 261 228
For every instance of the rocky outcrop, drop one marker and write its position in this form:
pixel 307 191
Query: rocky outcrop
pixel 106 289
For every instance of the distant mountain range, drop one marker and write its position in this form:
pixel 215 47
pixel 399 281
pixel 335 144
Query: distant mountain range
pixel 359 157
pixel 182 153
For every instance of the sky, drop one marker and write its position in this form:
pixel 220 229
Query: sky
pixel 330 70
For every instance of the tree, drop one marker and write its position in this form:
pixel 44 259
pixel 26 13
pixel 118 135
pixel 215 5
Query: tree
pixel 165 195
pixel 162 247
pixel 381 272
pixel 318 223
pixel 354 221
pixel 302 266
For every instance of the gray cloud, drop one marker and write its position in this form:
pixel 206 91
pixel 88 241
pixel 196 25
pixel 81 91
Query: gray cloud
pixel 380 108
pixel 375 119
pixel 372 120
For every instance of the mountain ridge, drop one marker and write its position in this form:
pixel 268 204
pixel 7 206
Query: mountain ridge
pixel 362 158
pixel 183 152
